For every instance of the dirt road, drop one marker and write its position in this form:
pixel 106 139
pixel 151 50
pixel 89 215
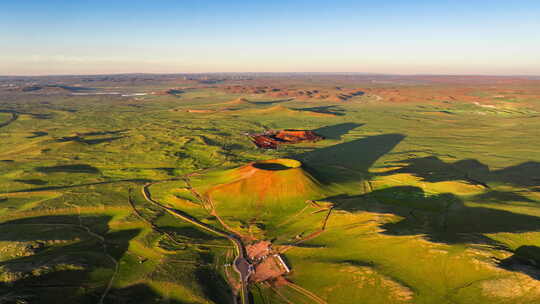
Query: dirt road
pixel 241 263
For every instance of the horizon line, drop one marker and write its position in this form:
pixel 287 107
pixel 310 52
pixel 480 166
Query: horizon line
pixel 275 73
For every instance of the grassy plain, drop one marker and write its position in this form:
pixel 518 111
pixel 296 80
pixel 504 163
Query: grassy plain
pixel 427 200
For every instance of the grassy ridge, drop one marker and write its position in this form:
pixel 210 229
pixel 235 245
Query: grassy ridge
pixel 424 202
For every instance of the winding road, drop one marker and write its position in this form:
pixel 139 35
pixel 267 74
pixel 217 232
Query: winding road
pixel 241 263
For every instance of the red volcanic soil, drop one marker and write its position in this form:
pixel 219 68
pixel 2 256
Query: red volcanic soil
pixel 473 79
pixel 336 94
pixel 267 184
pixel 294 136
pixel 273 139
pixel 398 89
pixel 480 93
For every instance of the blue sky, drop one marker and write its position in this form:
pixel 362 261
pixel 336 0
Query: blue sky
pixel 165 36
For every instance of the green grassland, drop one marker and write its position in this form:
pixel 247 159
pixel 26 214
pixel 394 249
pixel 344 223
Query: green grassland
pixel 415 203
